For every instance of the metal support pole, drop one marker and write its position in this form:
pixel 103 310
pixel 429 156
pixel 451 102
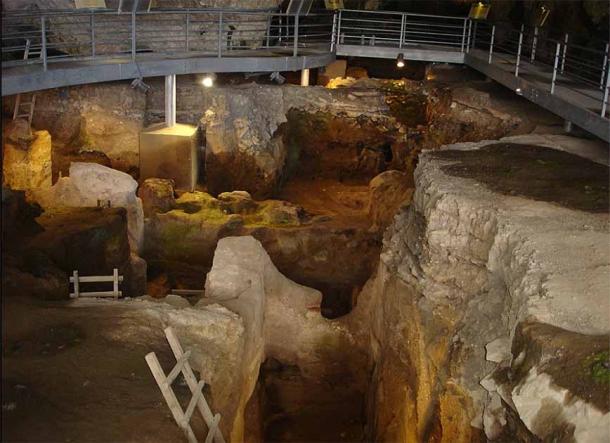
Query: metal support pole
pixel 463 35
pixel 220 34
pixel 296 36
pixel 565 51
pixel 170 100
pixel 92 26
pixel 402 30
pixel 519 52
pixel 534 44
pixel 133 35
pixel 469 34
pixel 305 77
pixel 43 37
pixel 605 102
pixel 187 26
pixel 491 43
pixel 604 68
pixel 555 67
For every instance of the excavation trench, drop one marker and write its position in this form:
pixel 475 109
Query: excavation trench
pixel 345 175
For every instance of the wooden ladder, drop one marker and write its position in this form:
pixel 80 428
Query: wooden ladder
pixel 198 401
pixel 25 108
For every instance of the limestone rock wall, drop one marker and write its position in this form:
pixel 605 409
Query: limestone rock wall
pixel 488 305
pixel 99 120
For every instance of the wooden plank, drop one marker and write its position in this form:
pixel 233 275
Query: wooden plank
pixel 191 407
pixel 191 381
pixel 213 429
pixel 96 278
pixel 187 291
pixel 115 285
pixel 178 368
pixel 98 294
pixel 75 276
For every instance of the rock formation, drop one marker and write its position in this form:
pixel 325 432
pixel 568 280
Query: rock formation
pixel 26 157
pixel 482 280
pixel 92 185
pixel 281 318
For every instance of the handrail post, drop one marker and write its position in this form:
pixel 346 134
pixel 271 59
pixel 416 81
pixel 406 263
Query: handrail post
pixel 402 29
pixel 220 34
pixel 555 67
pixel 474 34
pixel 296 35
pixel 333 37
pixel 534 44
pixel 565 50
pixel 463 35
pixel 340 40
pixel 469 33
pixel 519 51
pixel 268 37
pixel 604 67
pixel 186 32
pixel 43 37
pixel 605 101
pixel 133 35
pixel 491 43
pixel 92 26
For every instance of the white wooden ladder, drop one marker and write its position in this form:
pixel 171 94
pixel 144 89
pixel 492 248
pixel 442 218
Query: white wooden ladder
pixel 183 418
pixel 25 108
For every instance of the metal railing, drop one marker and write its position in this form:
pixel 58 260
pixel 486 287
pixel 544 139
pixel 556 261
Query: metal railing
pixel 98 34
pixel 579 69
pixel 400 29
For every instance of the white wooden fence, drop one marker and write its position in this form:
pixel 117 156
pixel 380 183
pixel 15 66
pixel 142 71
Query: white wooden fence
pixel 183 418
pixel 115 278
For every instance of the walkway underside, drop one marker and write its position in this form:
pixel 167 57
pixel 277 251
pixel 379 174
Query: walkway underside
pixel 32 78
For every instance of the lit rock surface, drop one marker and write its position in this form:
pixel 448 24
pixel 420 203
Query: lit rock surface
pixel 89 183
pixel 281 318
pixel 26 161
pixel 482 252
pixel 388 192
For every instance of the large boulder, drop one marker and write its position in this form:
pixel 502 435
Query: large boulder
pixel 157 195
pixel 92 185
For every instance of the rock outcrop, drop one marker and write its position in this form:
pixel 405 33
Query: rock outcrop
pixel 489 307
pixel 281 319
pixel 26 157
pixel 157 195
pixel 388 192
pixel 93 185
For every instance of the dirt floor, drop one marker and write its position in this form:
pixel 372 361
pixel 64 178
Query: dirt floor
pixel 76 374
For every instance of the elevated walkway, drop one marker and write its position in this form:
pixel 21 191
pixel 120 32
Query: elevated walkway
pixel 566 79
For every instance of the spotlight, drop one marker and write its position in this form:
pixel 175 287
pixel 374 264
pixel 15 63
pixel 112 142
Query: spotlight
pixel 518 91
pixel 208 80
pixel 400 60
pixel 138 83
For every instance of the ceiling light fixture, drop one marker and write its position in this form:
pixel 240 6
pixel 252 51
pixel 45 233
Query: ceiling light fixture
pixel 400 60
pixel 208 80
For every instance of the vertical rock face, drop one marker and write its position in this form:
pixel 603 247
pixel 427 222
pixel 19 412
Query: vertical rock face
pixel 482 280
pixel 243 151
pixel 26 160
